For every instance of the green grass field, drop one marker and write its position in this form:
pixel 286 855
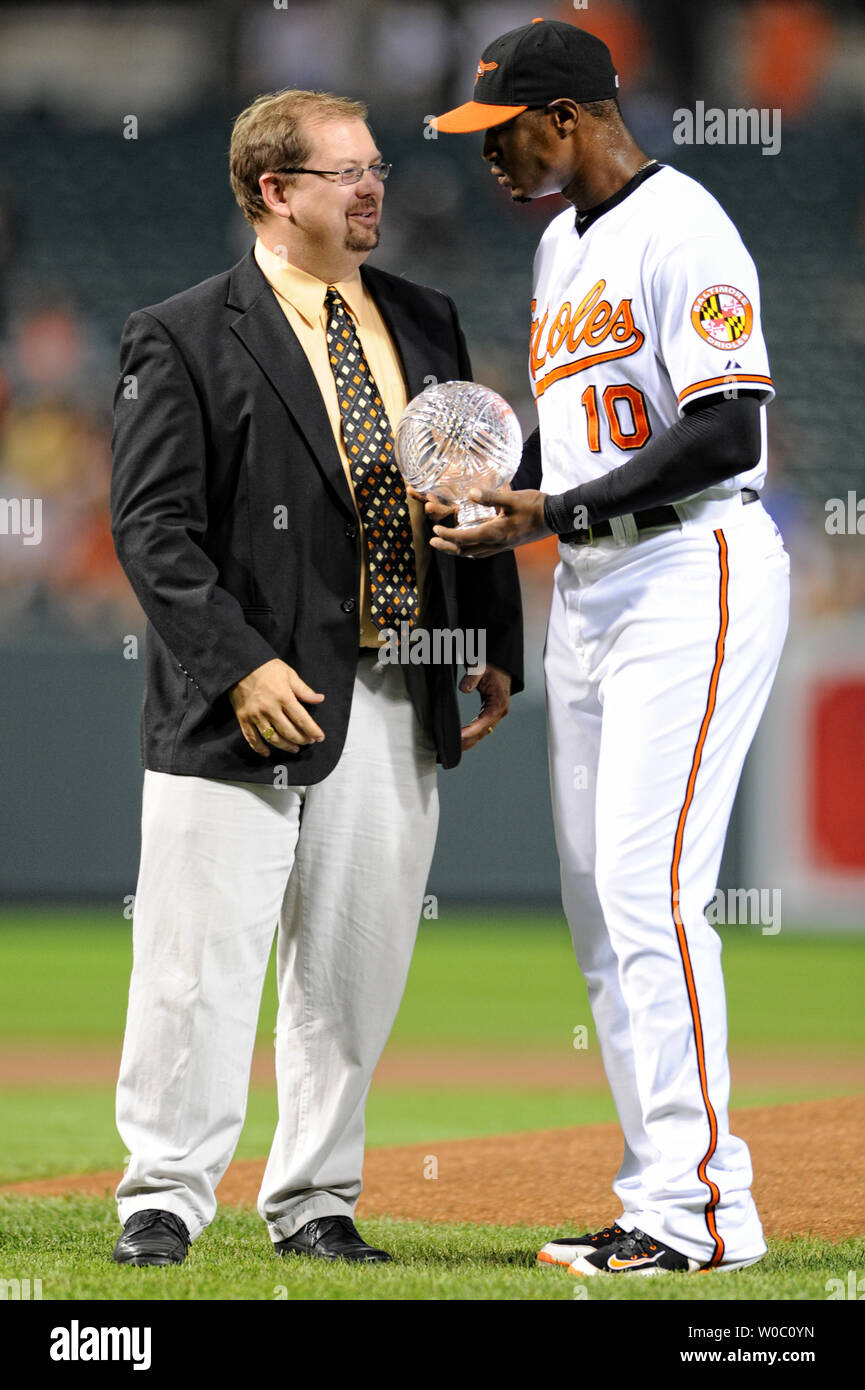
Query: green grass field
pixel 64 1240
pixel 506 985
pixel 500 980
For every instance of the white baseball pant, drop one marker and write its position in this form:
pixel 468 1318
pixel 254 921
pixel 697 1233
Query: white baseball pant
pixel 341 866
pixel 659 660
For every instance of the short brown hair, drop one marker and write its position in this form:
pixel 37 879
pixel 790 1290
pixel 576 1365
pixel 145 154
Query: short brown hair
pixel 272 132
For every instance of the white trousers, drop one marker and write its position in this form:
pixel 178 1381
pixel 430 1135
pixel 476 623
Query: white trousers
pixel 340 867
pixel 659 660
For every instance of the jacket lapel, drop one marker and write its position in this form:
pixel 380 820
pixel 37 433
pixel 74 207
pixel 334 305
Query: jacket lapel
pixel 262 326
pixel 405 327
pixel 266 334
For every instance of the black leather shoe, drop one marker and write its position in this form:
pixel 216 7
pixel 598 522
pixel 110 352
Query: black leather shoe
pixel 331 1238
pixel 152 1238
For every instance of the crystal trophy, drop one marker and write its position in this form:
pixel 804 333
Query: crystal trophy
pixel 454 436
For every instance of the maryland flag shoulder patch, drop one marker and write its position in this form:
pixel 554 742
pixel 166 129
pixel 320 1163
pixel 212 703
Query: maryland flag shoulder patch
pixel 723 317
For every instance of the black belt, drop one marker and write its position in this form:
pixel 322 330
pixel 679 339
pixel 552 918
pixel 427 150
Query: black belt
pixel 650 519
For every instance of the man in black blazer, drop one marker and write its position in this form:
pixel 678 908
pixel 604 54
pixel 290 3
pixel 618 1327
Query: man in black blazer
pixel 290 771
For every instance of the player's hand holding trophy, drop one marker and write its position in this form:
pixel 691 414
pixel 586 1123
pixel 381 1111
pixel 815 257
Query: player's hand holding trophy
pixel 455 436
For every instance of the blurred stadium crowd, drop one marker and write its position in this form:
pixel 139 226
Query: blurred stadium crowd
pixel 114 127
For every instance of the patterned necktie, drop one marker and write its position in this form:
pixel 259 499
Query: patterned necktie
pixel 378 484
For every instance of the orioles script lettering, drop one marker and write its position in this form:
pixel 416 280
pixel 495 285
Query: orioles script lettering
pixel 592 323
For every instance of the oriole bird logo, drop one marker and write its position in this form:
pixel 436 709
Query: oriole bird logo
pixel 484 67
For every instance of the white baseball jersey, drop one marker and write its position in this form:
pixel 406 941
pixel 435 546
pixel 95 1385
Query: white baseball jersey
pixel 654 306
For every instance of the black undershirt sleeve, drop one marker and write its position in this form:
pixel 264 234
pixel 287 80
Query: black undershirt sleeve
pixel 528 475
pixel 716 439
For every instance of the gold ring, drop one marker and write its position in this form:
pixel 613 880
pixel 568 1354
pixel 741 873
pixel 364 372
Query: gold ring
pixel 268 733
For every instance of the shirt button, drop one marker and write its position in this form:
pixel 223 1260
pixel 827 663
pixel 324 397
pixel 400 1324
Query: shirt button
pixel 348 605
pixel 351 532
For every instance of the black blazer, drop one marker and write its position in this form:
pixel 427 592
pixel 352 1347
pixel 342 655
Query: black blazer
pixel 234 522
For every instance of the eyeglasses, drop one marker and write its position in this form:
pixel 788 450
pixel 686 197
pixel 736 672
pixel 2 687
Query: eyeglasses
pixel 352 175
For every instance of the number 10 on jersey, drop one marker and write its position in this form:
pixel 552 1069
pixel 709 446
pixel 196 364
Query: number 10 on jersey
pixel 628 430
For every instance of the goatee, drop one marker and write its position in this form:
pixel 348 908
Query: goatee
pixel 362 239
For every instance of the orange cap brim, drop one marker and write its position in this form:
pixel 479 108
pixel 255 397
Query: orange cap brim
pixel 475 115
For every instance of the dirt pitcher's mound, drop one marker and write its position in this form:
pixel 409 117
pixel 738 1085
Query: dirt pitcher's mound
pixel 808 1159
pixel 809 1166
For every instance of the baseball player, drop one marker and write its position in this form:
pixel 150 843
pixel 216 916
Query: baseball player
pixel 668 615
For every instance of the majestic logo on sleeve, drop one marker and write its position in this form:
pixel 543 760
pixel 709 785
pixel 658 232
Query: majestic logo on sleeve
pixel 722 315
pixel 592 332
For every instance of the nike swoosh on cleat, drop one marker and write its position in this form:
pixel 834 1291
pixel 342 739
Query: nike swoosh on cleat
pixel 615 1263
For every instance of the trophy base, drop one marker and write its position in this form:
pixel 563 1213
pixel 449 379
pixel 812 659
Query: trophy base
pixel 474 513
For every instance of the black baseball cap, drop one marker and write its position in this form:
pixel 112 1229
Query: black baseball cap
pixel 529 67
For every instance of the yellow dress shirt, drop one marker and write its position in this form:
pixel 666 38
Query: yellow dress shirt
pixel 301 298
